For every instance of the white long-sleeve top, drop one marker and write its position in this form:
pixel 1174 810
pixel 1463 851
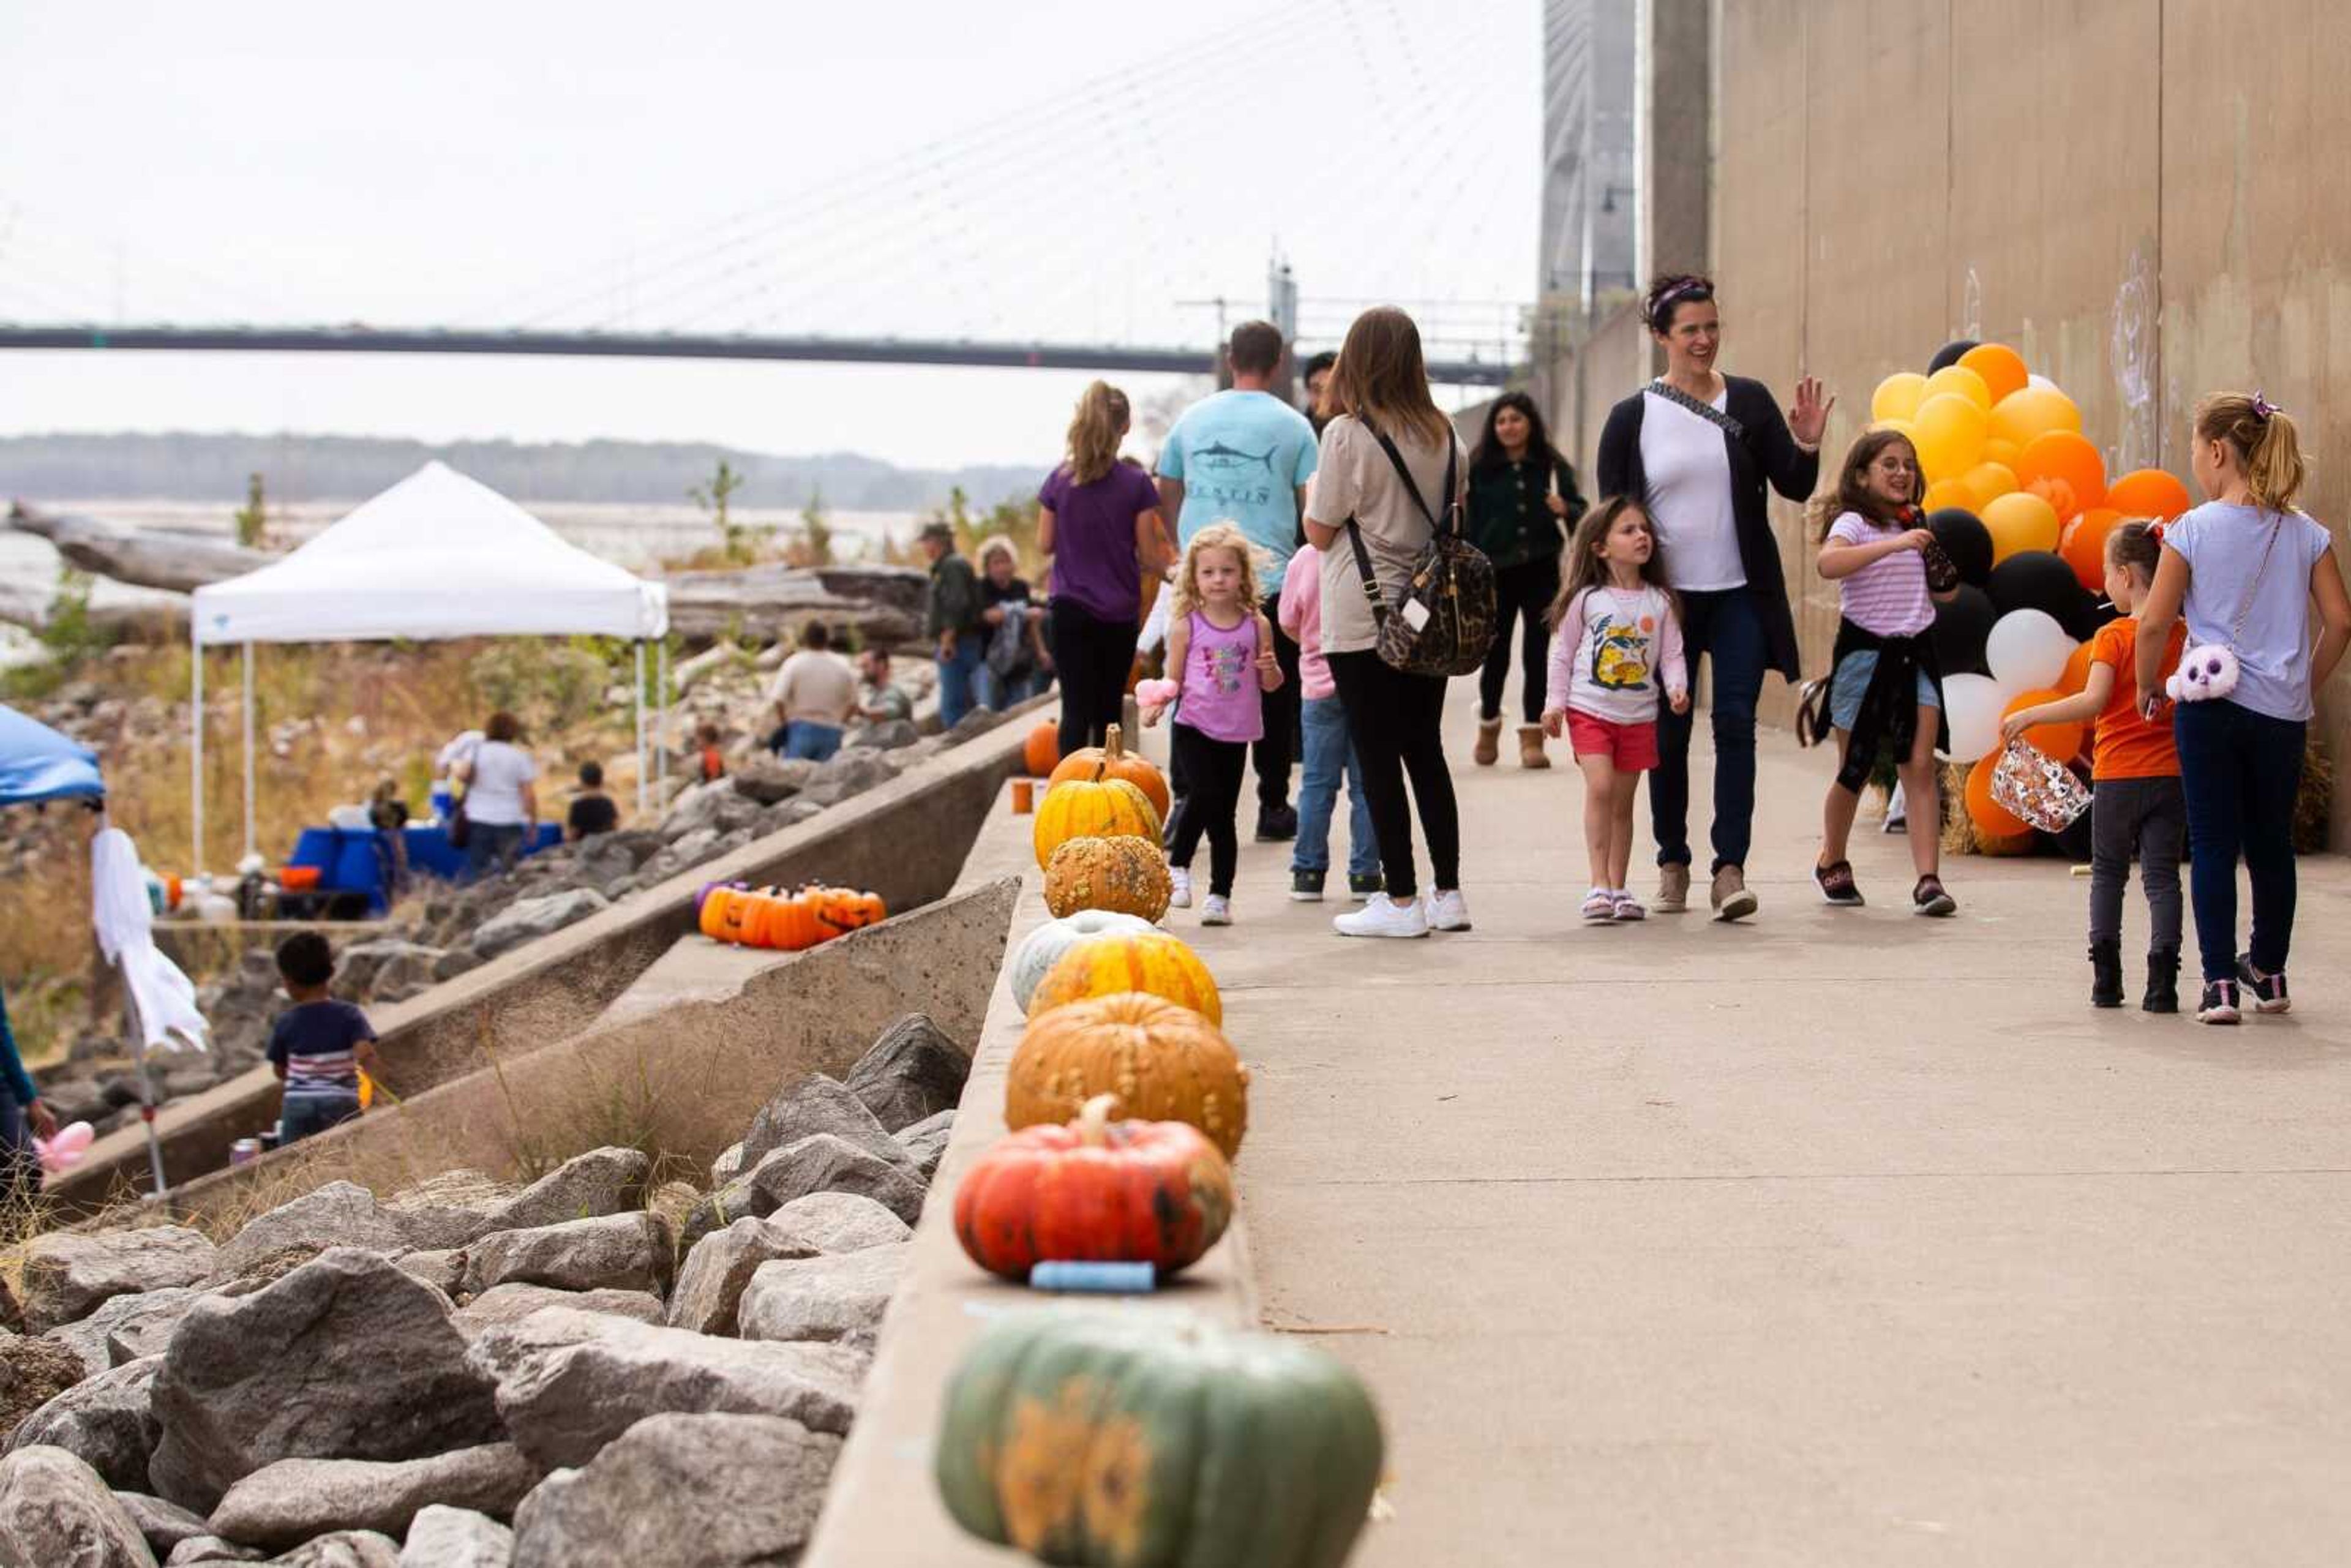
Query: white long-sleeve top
pixel 1614 652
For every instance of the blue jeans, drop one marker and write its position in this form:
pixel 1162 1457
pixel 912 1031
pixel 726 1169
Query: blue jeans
pixel 1331 756
pixel 489 844
pixel 2240 771
pixel 959 679
pixel 1000 692
pixel 1725 628
pixel 811 741
pixel 303 1114
pixel 20 1164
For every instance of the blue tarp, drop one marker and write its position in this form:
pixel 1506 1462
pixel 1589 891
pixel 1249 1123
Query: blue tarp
pixel 37 763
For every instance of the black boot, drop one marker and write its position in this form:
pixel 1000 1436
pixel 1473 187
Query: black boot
pixel 2106 974
pixel 2162 980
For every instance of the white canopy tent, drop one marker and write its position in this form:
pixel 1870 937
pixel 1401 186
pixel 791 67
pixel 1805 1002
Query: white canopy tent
pixel 437 556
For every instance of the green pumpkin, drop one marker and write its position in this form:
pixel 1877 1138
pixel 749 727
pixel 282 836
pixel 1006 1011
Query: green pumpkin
pixel 1152 1441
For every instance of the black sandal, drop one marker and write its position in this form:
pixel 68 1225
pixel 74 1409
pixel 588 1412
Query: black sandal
pixel 1836 884
pixel 1930 898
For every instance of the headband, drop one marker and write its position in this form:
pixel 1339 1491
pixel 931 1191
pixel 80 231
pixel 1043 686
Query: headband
pixel 1675 293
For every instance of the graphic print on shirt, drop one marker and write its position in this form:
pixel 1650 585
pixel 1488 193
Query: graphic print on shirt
pixel 1620 652
pixel 1224 474
pixel 1223 663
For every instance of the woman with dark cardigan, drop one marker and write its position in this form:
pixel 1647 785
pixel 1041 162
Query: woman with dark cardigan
pixel 1698 447
pixel 1523 504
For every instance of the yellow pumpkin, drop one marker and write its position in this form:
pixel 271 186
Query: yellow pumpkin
pixel 1080 808
pixel 1150 961
pixel 1165 1062
pixel 1123 875
pixel 1111 760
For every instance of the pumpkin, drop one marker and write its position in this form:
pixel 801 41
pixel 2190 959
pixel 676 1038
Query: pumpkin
pixel 1126 875
pixel 1042 948
pixel 1165 1062
pixel 1149 961
pixel 1112 808
pixel 727 913
pixel 838 911
pixel 786 923
pixel 1151 1441
pixel 1095 1190
pixel 1111 760
pixel 1042 751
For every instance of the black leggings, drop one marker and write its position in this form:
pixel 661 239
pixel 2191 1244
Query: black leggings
pixel 1093 658
pixel 1212 774
pixel 1398 723
pixel 1522 594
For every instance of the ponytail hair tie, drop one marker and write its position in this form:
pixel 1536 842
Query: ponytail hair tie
pixel 2263 408
pixel 2155 530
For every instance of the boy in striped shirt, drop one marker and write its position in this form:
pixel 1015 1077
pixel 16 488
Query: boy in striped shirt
pixel 319 1046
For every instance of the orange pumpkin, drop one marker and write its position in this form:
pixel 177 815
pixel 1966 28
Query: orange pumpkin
pixel 1080 808
pixel 728 914
pixel 1111 760
pixel 1125 875
pixel 1116 961
pixel 786 924
pixel 1165 1062
pixel 1042 750
pixel 840 910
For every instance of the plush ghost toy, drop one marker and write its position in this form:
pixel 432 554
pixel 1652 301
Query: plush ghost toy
pixel 2204 673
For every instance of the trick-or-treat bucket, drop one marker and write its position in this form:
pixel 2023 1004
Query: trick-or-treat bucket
pixel 245 1151
pixel 1024 797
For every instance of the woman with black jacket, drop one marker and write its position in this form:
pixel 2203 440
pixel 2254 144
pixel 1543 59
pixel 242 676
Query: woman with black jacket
pixel 1523 503
pixel 1698 447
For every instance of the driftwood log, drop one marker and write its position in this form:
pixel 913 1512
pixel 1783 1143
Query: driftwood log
pixel 144 558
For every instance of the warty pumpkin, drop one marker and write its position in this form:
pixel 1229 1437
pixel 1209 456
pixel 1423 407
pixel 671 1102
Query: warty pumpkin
pixel 1116 1441
pixel 1149 961
pixel 1112 808
pixel 1126 874
pixel 1111 760
pixel 1040 751
pixel 1165 1062
pixel 1094 1191
pixel 1042 948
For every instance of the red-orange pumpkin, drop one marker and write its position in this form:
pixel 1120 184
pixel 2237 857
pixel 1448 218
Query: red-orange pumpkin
pixel 1094 1190
pixel 1041 752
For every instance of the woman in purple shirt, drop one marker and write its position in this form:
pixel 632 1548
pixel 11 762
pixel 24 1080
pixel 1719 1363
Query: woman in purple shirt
pixel 1098 522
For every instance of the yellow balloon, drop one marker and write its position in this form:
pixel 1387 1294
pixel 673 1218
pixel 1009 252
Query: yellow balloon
pixel 1898 396
pixel 1903 426
pixel 1950 435
pixel 2034 410
pixel 1949 493
pixel 1964 382
pixel 2004 453
pixel 2018 521
pixel 1989 481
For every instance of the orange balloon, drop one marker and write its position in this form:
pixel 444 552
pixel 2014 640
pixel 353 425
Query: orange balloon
pixel 2148 493
pixel 2065 456
pixel 1991 819
pixel 1944 493
pixel 2060 741
pixel 2077 672
pixel 2003 452
pixel 1988 482
pixel 2084 548
pixel 2001 367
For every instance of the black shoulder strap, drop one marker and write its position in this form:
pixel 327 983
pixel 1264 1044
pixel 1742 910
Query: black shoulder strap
pixel 1452 523
pixel 1705 411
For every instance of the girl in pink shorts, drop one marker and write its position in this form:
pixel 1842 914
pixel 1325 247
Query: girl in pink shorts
pixel 1617 644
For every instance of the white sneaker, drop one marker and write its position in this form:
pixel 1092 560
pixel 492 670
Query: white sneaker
pixel 1447 910
pixel 1179 888
pixel 1218 911
pixel 1382 917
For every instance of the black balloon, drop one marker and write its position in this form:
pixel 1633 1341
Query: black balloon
pixel 1962 627
pixel 1966 540
pixel 2040 580
pixel 1949 354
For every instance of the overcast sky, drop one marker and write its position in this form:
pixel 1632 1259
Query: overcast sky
pixel 1025 170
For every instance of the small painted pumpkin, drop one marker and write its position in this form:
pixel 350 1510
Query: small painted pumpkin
pixel 1155 1441
pixel 1094 1191
pixel 1111 760
pixel 838 910
pixel 1041 752
pixel 1149 961
pixel 1126 874
pixel 728 914
pixel 785 922
pixel 1042 948
pixel 1110 808
pixel 1165 1062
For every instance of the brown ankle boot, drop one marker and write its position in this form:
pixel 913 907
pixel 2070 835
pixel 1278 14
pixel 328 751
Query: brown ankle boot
pixel 1530 751
pixel 1489 743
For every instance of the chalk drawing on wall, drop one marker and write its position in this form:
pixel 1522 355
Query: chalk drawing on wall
pixel 2131 354
pixel 1971 308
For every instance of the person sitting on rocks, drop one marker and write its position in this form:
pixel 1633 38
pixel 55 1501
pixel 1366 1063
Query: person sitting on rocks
pixel 592 811
pixel 318 1046
pixel 706 741
pixel 880 700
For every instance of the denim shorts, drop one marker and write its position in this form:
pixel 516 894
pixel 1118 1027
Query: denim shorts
pixel 1851 684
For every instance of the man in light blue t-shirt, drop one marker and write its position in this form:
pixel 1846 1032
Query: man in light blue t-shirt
pixel 1245 455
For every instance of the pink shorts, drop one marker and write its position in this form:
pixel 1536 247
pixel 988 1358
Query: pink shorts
pixel 1633 748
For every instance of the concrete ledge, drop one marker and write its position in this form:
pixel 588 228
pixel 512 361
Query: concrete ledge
pixel 883 1511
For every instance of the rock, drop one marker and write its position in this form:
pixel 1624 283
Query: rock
pixel 720 1265
pixel 365 968
pixel 68 1275
pixel 12 1315
pixel 443 1269
pixel 55 1511
pixel 601 1181
pixel 818 1105
pixel 765 779
pixel 32 1372
pixel 925 1142
pixel 613 1251
pixel 890 735
pixel 377 1342
pixel 850 772
pixel 529 919
pixel 455 962
pixel 912 1071
pixel 843 1222
pixel 504 1304
pixel 790 814
pixel 752 1484
pixel 841 1296
pixel 292 1500
pixel 820 1162
pixel 727 1165
pixel 201 1549
pixel 344 1549
pixel 143 1322
pixel 562 1404
pixel 443 1537
pixel 715 807
pixel 164 1524
pixel 107 1422
pixel 339 1214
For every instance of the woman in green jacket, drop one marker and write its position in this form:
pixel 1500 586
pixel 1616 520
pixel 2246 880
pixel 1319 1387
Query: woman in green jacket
pixel 1523 504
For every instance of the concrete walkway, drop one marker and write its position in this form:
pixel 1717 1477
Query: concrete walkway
pixel 1840 1236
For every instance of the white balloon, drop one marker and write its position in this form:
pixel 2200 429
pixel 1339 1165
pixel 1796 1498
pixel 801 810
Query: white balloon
pixel 1972 707
pixel 2027 650
pixel 2037 380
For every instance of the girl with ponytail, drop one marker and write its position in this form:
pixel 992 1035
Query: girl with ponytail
pixel 1098 522
pixel 2244 569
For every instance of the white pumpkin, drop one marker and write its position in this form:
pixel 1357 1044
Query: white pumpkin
pixel 1045 946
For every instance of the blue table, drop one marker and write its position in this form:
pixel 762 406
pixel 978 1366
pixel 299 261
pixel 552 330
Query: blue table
pixel 359 859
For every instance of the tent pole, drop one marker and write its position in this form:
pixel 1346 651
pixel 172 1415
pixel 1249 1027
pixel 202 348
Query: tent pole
pixel 249 748
pixel 196 745
pixel 661 739
pixel 644 793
